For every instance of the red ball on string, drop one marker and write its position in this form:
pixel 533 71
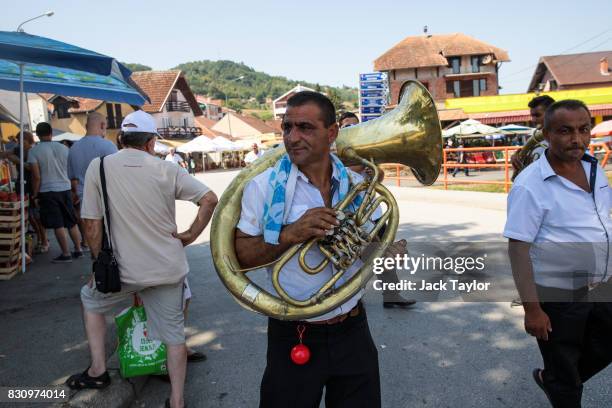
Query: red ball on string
pixel 300 354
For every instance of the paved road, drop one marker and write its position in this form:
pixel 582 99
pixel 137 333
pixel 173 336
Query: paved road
pixel 436 355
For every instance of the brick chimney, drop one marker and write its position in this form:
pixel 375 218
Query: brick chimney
pixel 604 68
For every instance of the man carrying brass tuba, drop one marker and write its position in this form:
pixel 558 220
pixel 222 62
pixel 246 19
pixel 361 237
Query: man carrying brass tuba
pixel 290 204
pixel 536 145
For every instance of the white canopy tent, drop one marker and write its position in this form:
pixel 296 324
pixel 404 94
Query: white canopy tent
pixel 469 128
pixel 516 129
pixel 225 145
pixel 161 148
pixel 201 144
pixel 59 135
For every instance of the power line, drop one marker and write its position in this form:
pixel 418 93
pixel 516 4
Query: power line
pixel 562 52
pixel 568 61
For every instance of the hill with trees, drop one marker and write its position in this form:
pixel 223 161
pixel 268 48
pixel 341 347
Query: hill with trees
pixel 217 79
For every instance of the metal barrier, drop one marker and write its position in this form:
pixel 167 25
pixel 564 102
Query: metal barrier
pixel 506 165
pixel 604 149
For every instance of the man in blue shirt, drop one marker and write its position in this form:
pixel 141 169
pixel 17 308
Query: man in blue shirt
pixel 91 146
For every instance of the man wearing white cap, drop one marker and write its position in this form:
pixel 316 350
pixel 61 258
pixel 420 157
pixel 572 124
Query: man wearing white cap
pixel 141 198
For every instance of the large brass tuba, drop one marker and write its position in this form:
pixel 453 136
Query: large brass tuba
pixel 409 135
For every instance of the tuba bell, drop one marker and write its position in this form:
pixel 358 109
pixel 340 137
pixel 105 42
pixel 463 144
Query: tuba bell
pixel 525 154
pixel 408 135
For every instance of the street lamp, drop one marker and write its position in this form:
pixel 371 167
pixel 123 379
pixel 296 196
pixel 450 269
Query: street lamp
pixel 21 170
pixel 47 14
pixel 229 123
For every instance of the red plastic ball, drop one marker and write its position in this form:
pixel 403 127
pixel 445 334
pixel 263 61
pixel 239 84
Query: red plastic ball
pixel 300 354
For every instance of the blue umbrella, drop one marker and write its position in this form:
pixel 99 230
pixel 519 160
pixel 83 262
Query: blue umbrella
pixel 39 64
pixel 67 82
pixel 28 48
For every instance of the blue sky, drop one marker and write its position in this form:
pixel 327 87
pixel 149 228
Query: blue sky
pixel 328 42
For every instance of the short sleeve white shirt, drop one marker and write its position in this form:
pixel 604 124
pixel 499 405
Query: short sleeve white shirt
pixel 297 283
pixel 252 156
pixel 569 228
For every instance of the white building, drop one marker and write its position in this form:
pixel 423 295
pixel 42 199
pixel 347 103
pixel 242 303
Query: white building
pixel 279 105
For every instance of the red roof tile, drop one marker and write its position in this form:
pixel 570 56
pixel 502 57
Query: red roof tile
pixel 452 114
pixel 158 85
pixel 206 125
pixel 573 69
pixel 85 105
pixel 256 123
pixel 432 50
pixel 275 124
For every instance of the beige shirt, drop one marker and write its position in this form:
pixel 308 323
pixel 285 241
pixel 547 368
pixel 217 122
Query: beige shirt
pixel 142 190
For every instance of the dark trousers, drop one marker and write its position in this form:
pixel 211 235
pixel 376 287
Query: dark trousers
pixel 343 360
pixel 466 170
pixel 579 346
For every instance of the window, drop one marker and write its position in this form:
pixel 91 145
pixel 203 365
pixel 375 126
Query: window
pixel 479 85
pixel 457 88
pixel 110 116
pixel 449 87
pixel 455 64
pixel 62 110
pixel 475 63
pixel 454 87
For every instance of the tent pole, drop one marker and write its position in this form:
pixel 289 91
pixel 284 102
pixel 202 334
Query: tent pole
pixel 21 182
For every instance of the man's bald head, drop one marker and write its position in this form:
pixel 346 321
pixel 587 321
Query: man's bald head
pixel 96 124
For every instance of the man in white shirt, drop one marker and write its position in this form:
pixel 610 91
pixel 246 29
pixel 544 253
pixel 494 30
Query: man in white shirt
pixel 141 196
pixel 559 229
pixel 344 358
pixel 253 155
pixel 174 157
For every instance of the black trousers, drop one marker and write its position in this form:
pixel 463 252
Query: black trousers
pixel 579 346
pixel 343 360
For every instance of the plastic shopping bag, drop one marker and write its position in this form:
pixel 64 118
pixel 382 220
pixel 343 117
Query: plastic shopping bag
pixel 138 355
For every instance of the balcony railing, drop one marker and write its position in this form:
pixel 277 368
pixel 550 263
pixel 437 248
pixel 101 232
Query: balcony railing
pixel 179 132
pixel 176 106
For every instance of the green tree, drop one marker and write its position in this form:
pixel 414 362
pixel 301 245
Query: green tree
pixel 137 67
pixel 333 96
pixel 235 105
pixel 217 79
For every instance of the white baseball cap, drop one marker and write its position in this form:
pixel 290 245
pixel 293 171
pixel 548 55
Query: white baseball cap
pixel 139 121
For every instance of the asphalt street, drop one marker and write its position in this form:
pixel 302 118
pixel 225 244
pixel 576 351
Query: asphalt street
pixel 443 354
pixel 438 354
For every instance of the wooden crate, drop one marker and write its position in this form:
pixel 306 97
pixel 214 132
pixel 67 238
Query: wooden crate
pixel 9 269
pixel 10 238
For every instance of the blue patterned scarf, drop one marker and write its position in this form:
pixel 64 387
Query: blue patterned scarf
pixel 282 183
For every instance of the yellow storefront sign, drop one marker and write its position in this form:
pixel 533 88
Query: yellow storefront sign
pixel 501 103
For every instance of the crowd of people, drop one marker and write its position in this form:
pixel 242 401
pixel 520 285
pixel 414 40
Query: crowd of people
pixel 563 196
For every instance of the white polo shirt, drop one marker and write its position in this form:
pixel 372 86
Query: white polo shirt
pixel 570 229
pixel 297 283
